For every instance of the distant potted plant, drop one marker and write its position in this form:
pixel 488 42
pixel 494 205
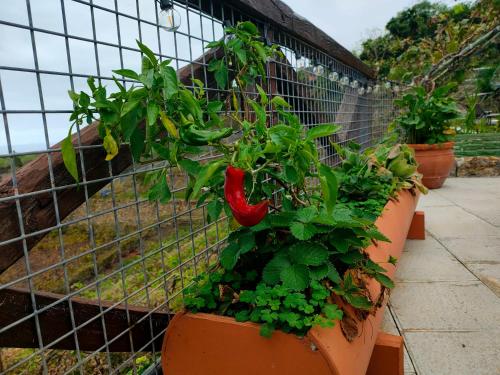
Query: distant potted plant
pixel 424 125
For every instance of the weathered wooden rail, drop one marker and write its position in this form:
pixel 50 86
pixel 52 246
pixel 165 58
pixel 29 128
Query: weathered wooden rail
pixel 127 328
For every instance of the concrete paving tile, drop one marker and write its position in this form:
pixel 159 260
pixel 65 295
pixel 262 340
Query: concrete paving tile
pixel 478 196
pixel 388 325
pixel 455 353
pixel 432 263
pixel 407 364
pixel 489 274
pixel 478 249
pixel 460 189
pixel 420 245
pixel 432 199
pixel 455 222
pixel 445 306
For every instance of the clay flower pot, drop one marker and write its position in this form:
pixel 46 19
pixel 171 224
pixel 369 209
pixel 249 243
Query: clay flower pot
pixel 197 344
pixel 434 162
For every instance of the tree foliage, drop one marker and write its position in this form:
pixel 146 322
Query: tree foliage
pixel 420 36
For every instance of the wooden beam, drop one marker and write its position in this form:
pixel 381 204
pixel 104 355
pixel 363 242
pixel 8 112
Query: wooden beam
pixel 55 322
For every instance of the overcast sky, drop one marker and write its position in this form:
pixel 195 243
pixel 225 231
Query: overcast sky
pixel 348 21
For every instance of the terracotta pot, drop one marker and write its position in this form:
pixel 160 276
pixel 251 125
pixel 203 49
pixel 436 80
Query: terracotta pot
pixel 197 344
pixel 434 162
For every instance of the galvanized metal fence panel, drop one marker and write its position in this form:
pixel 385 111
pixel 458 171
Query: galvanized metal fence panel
pixel 118 248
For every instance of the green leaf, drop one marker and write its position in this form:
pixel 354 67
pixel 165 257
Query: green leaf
pixel 137 143
pixel 206 173
pixel 150 54
pixel 302 231
pixel 229 256
pixel 69 155
pixel 384 280
pixel 352 257
pixel 213 44
pixel 279 102
pixel 84 100
pixel 261 117
pixel 249 27
pixel 191 104
pixel 273 269
pixel 160 191
pixel 214 106
pixel 214 209
pixel 283 135
pixel 246 241
pixel 319 272
pixel 221 77
pixel 374 267
pixel 128 107
pixel 341 244
pixel 321 131
pixel 263 96
pixel 266 330
pixel 190 166
pixel 170 82
pixel 307 214
pixel 332 311
pixel 333 274
pixel 309 253
pixel 358 301
pixel 295 277
pixel 242 316
pixel 242 55
pixel 74 96
pixel 329 186
pixel 152 113
pixel 291 174
pixel 392 260
pixel 161 150
pixel 147 78
pixel 375 234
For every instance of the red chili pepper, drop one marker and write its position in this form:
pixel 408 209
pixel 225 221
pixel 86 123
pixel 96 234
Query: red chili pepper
pixel 234 191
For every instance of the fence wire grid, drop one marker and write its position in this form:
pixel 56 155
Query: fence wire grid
pixel 117 249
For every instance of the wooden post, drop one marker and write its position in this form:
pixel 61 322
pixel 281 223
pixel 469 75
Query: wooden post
pixel 388 356
pixel 417 227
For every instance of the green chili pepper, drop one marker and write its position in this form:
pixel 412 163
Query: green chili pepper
pixel 193 136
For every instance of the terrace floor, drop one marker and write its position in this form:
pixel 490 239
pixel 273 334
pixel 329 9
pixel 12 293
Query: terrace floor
pixel 446 303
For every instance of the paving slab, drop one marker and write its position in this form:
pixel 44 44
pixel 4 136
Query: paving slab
pixel 446 302
pixel 421 245
pixel 478 196
pixel 478 249
pixel 454 222
pixel 455 353
pixel 489 274
pixel 433 263
pixel 433 200
pixel 445 306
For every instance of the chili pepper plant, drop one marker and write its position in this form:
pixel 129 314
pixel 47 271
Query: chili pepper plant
pixel 298 239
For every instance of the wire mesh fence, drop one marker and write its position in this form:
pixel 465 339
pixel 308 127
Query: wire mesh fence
pixel 103 240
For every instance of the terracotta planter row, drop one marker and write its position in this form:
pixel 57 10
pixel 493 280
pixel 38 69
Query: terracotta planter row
pixel 208 344
pixel 434 162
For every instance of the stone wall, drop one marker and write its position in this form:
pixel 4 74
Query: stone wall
pixel 477 166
